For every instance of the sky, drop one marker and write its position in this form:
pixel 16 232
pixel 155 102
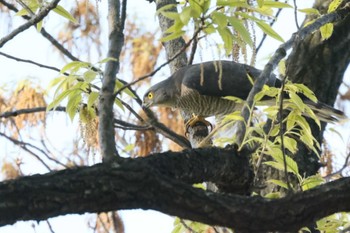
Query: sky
pixel 30 45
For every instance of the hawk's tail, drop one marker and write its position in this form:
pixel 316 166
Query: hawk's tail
pixel 325 112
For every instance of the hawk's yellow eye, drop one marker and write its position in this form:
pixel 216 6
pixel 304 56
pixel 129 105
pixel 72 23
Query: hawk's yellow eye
pixel 150 95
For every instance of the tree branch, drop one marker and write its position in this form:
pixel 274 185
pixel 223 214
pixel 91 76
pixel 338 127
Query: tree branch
pixel 148 183
pixel 45 34
pixel 40 16
pixel 280 53
pixel 116 41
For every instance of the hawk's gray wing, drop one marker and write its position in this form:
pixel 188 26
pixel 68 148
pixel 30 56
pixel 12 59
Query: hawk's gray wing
pixel 223 78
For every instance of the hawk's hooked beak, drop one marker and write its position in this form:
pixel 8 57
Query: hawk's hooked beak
pixel 146 104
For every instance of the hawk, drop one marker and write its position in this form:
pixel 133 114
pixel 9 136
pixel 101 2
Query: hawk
pixel 198 90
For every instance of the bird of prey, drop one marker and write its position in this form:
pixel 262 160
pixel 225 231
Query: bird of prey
pixel 198 90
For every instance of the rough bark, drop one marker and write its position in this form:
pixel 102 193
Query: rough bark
pixel 136 184
pixel 172 47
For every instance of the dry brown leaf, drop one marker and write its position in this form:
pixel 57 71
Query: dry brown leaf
pixel 28 97
pixel 10 171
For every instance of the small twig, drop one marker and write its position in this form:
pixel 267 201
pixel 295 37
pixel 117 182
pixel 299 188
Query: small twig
pixel 45 34
pixel 265 35
pixel 51 158
pixel 187 226
pixel 346 163
pixel 50 226
pixel 105 228
pixel 26 7
pixel 296 14
pixel 131 110
pixel 40 16
pixel 24 145
pixel 161 66
pixel 29 110
pixel 31 62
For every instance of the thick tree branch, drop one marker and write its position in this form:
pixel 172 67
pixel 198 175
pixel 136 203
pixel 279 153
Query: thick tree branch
pixel 148 183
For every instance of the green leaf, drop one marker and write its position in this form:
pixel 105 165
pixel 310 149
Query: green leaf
pixel 275 4
pixel 199 186
pixel 107 59
pixel 234 99
pixel 264 11
pixel 185 15
pixel 196 8
pixel 74 99
pixel 32 5
pixel 209 29
pixel 326 31
pixel 171 15
pixel 297 101
pixel 74 66
pixel 129 147
pixel 300 120
pixel 273 195
pixel 306 91
pixel 310 113
pixel 241 30
pixel 268 30
pixel 271 111
pixel 89 75
pixel 311 182
pixel 235 116
pixel 291 121
pixel 279 183
pixel 55 81
pixel 62 12
pixel 276 153
pixel 220 19
pixel 119 85
pixel 60 98
pixel 177 229
pixel 227 38
pixel 172 36
pixel 119 104
pixel 232 3
pixel 280 166
pixel 334 5
pixel 309 11
pixel 260 3
pixel 205 4
pixel 291 144
pixel 39 26
pixel 275 131
pixel 92 98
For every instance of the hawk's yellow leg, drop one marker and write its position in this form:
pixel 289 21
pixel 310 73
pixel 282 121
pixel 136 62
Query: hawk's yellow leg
pixel 195 118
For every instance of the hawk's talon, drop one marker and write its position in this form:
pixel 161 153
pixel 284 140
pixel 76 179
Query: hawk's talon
pixel 193 121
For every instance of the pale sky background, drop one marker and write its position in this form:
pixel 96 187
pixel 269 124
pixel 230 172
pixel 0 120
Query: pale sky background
pixel 31 45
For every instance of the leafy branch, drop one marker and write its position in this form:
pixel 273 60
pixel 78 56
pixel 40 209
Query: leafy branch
pixel 40 16
pixel 280 53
